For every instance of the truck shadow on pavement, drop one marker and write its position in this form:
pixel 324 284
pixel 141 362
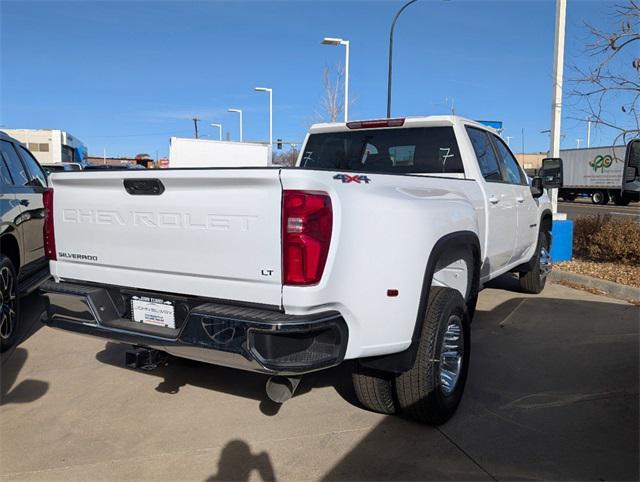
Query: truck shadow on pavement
pixel 180 372
pixel 552 393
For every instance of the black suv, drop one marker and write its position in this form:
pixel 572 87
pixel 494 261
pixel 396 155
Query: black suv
pixel 22 263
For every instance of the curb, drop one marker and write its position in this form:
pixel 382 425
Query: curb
pixel 615 290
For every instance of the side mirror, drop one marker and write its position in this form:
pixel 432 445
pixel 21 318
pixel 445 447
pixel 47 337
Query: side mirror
pixel 537 187
pixel 551 172
pixel 632 160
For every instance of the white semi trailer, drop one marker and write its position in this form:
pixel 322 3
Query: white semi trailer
pixel 188 152
pixel 601 173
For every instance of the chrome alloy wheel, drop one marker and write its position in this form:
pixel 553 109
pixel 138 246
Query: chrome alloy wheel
pixel 546 263
pixel 451 355
pixel 7 303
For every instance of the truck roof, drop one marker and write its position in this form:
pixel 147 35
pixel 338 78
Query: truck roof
pixel 411 121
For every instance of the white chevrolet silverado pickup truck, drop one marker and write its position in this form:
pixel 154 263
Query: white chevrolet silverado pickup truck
pixel 372 249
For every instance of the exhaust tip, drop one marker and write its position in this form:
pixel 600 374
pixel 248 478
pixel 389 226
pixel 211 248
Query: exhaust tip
pixel 280 389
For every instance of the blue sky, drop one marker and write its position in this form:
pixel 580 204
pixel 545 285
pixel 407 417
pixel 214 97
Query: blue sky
pixel 125 76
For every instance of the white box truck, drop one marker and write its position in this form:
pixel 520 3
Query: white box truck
pixel 601 173
pixel 187 152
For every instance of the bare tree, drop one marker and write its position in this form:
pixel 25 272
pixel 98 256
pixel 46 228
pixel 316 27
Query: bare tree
pixel 332 102
pixel 609 92
pixel 286 158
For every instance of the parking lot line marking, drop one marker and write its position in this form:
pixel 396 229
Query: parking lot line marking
pixel 510 315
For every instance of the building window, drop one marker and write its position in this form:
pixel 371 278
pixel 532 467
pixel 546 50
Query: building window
pixel 33 147
pixel 43 147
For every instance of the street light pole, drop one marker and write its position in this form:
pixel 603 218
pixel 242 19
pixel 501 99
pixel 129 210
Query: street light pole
pixel 588 132
pixel 556 102
pixel 265 89
pixel 219 126
pixel 239 111
pixel 339 41
pixel 393 26
pixel 578 141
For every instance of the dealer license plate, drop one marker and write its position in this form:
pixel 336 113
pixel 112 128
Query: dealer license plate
pixel 153 311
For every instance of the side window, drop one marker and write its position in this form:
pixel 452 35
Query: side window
pixel 16 168
pixel 5 175
pixel 37 176
pixel 486 155
pixel 511 169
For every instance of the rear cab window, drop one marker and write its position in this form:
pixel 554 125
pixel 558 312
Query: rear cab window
pixel 407 150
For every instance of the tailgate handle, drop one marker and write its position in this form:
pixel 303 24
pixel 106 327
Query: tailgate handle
pixel 144 187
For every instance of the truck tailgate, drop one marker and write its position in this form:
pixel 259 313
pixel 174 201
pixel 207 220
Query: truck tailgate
pixel 211 232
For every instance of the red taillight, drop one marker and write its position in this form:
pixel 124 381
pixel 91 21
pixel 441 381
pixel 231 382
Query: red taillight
pixel 372 124
pixel 48 234
pixel 307 220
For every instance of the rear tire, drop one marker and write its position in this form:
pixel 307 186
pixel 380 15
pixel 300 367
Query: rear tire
pixel 621 200
pixel 374 389
pixel 600 197
pixel 8 304
pixel 570 197
pixel 428 392
pixel 533 281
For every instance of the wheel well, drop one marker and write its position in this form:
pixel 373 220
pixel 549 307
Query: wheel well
pixel 457 242
pixel 9 247
pixel 455 268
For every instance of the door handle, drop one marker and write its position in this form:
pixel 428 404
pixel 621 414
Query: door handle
pixel 493 199
pixel 520 199
pixel 24 202
pixel 144 187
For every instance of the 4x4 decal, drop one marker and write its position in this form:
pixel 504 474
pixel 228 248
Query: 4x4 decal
pixel 346 178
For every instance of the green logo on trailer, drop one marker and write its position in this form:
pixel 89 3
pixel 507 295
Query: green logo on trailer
pixel 602 162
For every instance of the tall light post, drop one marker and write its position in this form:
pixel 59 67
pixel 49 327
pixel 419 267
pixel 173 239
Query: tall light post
pixel 509 140
pixel 578 141
pixel 265 89
pixel 556 92
pixel 588 132
pixel 393 26
pixel 239 111
pixel 219 126
pixel 339 41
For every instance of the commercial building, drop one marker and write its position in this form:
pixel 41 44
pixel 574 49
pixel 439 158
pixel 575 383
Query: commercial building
pixel 50 145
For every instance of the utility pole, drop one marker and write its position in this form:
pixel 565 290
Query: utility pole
pixel 588 132
pixel 556 91
pixel 509 140
pixel 195 125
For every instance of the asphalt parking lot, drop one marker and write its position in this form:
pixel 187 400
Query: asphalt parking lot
pixel 584 207
pixel 552 394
